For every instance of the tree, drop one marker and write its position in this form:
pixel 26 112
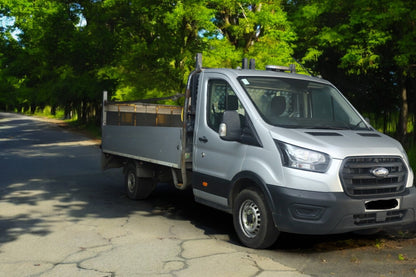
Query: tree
pixel 58 61
pixel 68 52
pixel 371 40
pixel 254 29
pixel 157 41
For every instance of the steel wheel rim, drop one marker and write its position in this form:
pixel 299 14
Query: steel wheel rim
pixel 250 218
pixel 131 182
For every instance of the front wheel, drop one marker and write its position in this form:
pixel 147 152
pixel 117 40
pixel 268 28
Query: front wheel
pixel 253 220
pixel 137 188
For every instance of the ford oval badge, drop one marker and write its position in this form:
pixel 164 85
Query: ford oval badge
pixel 380 172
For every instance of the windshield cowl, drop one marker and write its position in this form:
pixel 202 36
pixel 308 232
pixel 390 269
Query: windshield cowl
pixel 353 128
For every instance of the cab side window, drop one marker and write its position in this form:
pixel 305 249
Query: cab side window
pixel 221 97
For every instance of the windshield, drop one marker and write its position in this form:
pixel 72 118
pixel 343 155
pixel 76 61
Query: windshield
pixel 296 103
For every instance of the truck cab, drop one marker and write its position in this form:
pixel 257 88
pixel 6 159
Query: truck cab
pixel 295 143
pixel 280 151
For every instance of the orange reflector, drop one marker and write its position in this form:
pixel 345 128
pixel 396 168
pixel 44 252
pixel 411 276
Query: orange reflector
pixel 205 184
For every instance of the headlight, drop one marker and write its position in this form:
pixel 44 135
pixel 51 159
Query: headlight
pixel 302 158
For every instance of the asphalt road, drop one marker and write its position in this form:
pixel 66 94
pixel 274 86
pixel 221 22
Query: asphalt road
pixel 60 215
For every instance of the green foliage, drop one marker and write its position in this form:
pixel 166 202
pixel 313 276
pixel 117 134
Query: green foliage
pixel 68 52
pixel 134 49
pixel 366 48
pixel 156 41
pixel 401 257
pixel 365 35
pixel 253 29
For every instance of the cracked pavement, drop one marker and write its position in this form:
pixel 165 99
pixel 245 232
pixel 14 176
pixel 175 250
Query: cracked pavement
pixel 60 215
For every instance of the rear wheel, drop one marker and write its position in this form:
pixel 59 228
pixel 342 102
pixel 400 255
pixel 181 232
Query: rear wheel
pixel 137 188
pixel 253 220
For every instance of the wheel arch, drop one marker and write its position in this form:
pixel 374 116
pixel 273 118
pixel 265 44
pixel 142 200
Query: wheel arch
pixel 248 179
pixel 143 170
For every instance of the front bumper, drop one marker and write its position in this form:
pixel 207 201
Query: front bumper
pixel 307 212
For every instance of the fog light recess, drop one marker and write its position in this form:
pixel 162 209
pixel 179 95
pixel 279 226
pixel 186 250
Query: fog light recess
pixel 307 212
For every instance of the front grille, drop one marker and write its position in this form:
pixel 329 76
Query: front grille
pixel 358 180
pixel 379 217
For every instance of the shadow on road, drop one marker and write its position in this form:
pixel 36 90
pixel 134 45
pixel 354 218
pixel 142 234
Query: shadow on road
pixel 46 173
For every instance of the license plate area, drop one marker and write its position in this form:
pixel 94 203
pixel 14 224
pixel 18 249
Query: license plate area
pixel 382 205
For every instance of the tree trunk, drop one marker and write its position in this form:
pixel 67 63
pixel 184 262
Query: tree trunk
pixel 53 110
pixel 404 113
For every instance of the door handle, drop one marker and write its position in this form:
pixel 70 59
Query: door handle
pixel 203 139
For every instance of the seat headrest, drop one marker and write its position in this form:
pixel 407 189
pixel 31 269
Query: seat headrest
pixel 278 105
pixel 232 103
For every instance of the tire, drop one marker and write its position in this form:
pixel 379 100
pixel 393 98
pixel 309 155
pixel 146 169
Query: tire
pixel 137 188
pixel 253 220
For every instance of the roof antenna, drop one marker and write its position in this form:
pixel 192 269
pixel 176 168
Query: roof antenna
pixel 245 63
pixel 252 64
pixel 198 62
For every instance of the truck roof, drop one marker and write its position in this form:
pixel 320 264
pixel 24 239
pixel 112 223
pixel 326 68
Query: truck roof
pixel 264 73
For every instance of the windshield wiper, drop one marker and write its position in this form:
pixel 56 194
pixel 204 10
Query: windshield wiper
pixel 290 126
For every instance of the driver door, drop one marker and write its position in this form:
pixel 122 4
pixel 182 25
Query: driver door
pixel 216 161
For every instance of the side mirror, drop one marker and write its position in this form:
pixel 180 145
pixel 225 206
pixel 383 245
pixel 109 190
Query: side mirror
pixel 223 130
pixel 230 128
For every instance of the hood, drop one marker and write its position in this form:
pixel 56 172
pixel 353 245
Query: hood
pixel 340 144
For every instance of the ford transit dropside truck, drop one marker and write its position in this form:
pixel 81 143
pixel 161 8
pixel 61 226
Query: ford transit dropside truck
pixel 280 151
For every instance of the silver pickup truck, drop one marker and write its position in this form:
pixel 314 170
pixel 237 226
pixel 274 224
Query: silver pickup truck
pixel 280 151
